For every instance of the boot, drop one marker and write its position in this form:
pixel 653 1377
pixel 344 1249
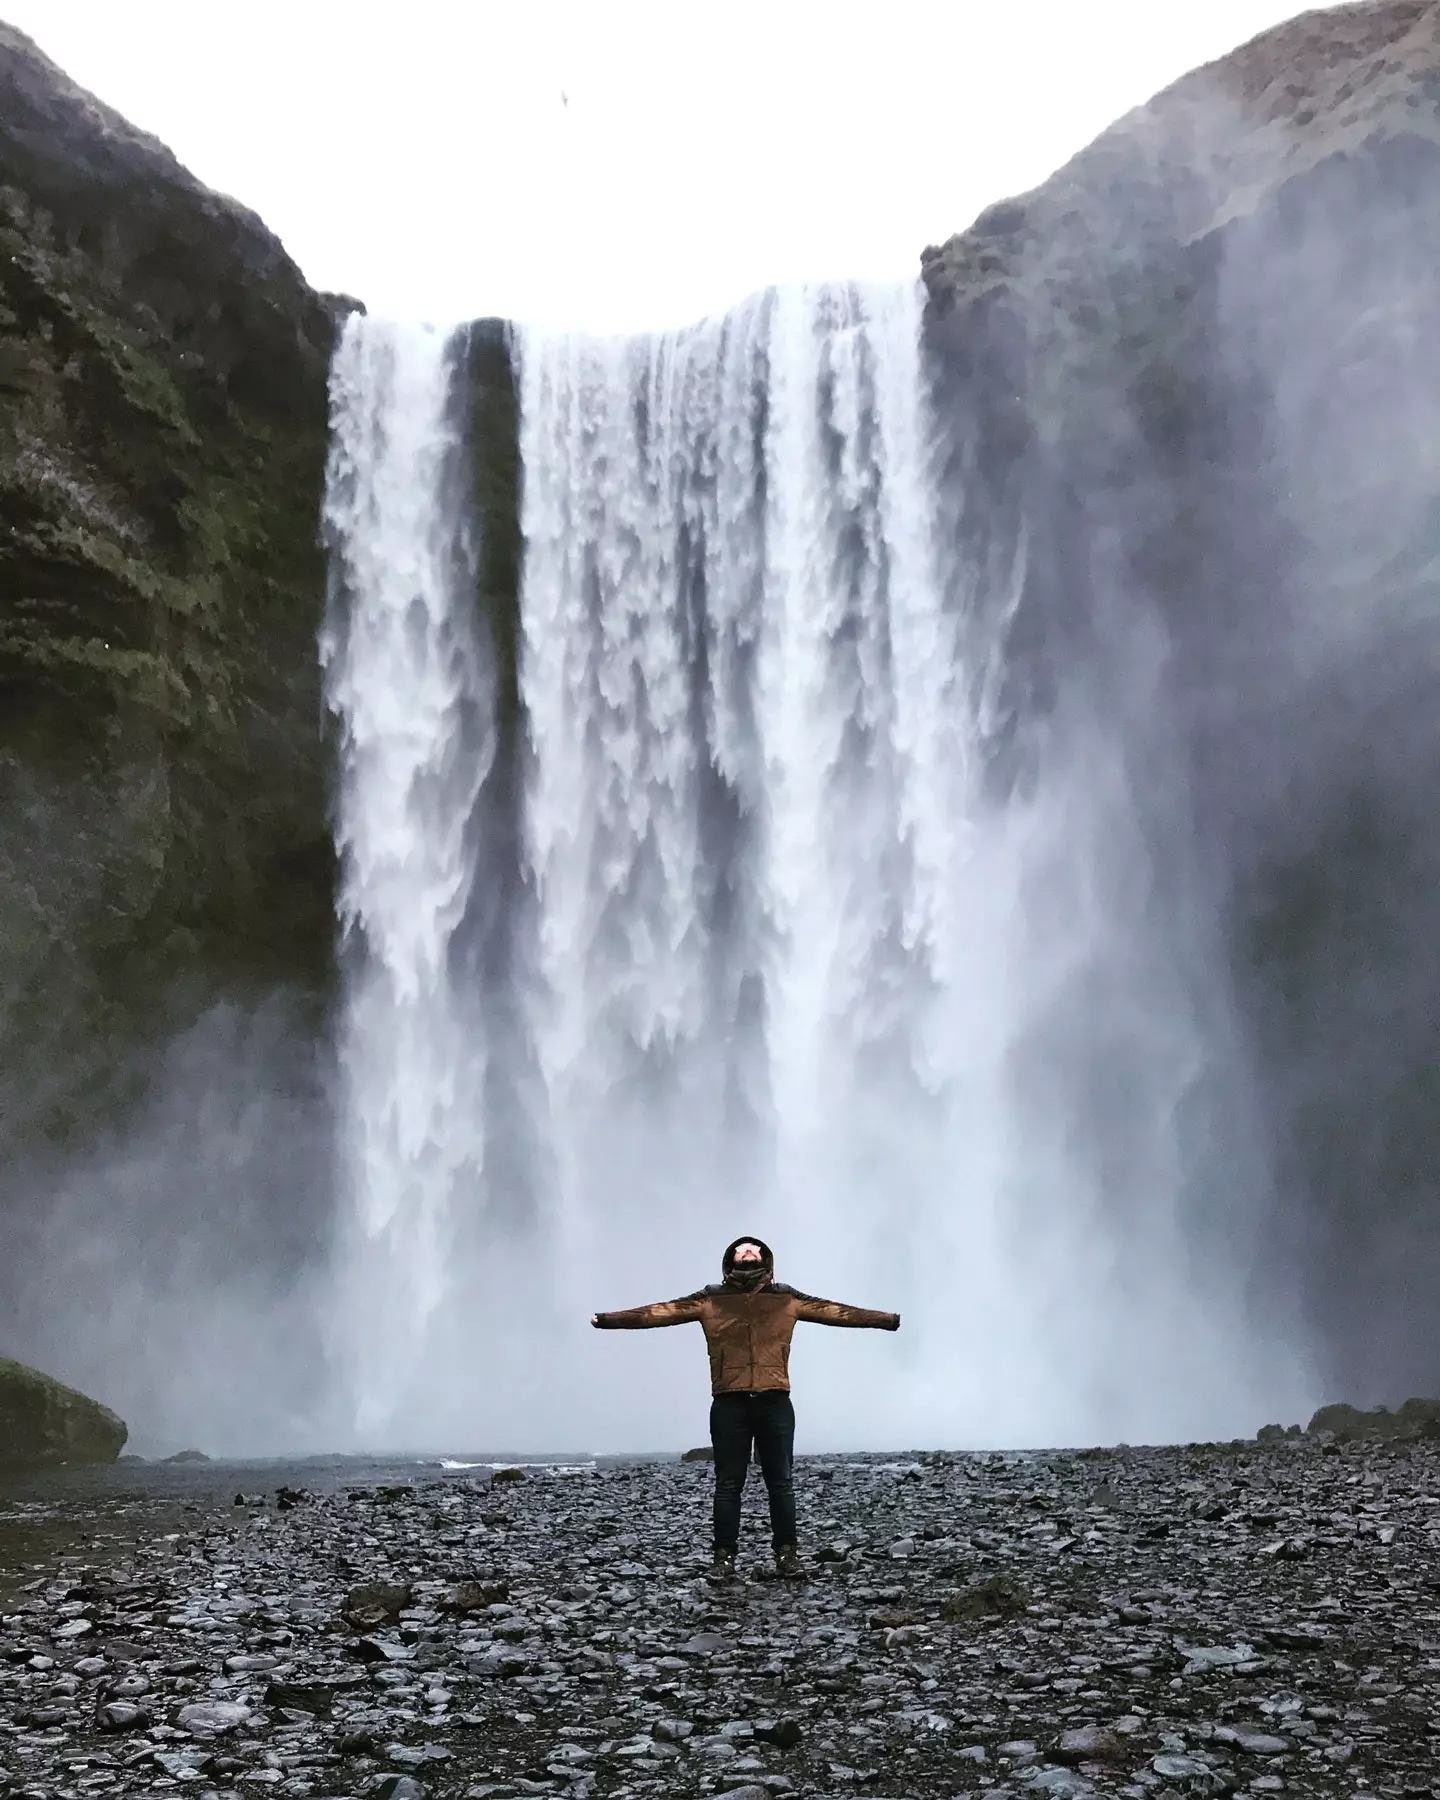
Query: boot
pixel 787 1563
pixel 723 1567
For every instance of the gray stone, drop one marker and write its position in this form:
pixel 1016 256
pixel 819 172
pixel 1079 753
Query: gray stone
pixel 213 1718
pixel 1090 1743
pixel 121 1715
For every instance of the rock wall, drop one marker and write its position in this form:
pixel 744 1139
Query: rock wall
pixel 162 443
pixel 1198 364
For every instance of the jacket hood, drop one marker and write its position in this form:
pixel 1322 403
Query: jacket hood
pixel 767 1255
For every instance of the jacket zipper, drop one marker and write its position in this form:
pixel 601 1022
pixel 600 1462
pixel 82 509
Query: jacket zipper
pixel 750 1336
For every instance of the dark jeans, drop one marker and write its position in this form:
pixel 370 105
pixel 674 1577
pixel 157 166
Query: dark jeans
pixel 767 1421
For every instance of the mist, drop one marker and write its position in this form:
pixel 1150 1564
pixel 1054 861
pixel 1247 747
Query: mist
pixel 172 1267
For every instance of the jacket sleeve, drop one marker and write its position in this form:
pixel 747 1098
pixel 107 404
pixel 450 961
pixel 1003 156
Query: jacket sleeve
pixel 835 1312
pixel 663 1312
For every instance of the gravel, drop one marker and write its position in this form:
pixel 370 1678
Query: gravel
pixel 1226 1620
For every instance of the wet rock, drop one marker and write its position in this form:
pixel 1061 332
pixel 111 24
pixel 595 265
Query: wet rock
pixel 313 1697
pixel 1257 1743
pixel 502 1476
pixel 375 1603
pixel 1195 1774
pixel 1059 1781
pixel 576 1646
pixel 1347 1424
pixel 121 1715
pixel 994 1597
pixel 213 1718
pixel 476 1596
pixel 1090 1743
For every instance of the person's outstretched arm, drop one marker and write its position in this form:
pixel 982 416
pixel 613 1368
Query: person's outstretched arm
pixel 835 1312
pixel 641 1318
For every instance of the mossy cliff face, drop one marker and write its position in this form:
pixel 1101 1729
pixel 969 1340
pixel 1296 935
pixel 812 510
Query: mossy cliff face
pixel 1197 371
pixel 43 1421
pixel 162 447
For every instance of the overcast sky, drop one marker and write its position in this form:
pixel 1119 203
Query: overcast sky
pixel 422 157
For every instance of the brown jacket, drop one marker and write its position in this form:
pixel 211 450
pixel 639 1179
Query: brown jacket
pixel 747 1334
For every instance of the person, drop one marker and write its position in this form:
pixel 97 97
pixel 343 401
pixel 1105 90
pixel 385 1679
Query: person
pixel 748 1319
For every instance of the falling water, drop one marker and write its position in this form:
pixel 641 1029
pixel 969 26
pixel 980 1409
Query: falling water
pixel 798 974
pixel 795 967
pixel 410 682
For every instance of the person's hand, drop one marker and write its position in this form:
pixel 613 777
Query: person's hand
pixel 595 1320
pixel 895 1324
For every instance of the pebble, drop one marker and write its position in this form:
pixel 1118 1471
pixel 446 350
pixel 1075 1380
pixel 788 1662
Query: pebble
pixel 980 1619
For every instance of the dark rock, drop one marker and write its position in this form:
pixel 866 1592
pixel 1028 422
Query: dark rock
pixel 475 1596
pixel 43 1421
pixel 994 1597
pixel 1347 1424
pixel 213 1718
pixel 121 1715
pixel 701 1453
pixel 396 1787
pixel 504 1475
pixel 1090 1743
pixel 188 1456
pixel 184 1765
pixel 375 1604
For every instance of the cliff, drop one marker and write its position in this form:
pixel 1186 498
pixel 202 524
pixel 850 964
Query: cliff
pixel 1196 371
pixel 162 443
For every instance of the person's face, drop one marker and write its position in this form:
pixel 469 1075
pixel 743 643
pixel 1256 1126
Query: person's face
pixel 748 1253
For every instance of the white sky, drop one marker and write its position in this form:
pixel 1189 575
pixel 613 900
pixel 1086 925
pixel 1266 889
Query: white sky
pixel 419 155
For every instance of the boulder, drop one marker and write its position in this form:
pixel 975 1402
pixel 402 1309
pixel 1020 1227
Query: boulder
pixel 1346 1424
pixel 993 1597
pixel 701 1453
pixel 43 1421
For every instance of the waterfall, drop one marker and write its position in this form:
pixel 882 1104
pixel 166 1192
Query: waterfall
pixel 409 679
pixel 793 966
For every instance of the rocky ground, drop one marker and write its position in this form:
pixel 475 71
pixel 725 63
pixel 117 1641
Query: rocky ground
pixel 1210 1620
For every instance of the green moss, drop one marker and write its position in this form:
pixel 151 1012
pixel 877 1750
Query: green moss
pixel 43 1421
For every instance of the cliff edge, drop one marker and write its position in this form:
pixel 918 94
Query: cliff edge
pixel 162 447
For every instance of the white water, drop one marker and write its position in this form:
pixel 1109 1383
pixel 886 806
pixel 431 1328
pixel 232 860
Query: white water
pixel 793 973
pixel 408 680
